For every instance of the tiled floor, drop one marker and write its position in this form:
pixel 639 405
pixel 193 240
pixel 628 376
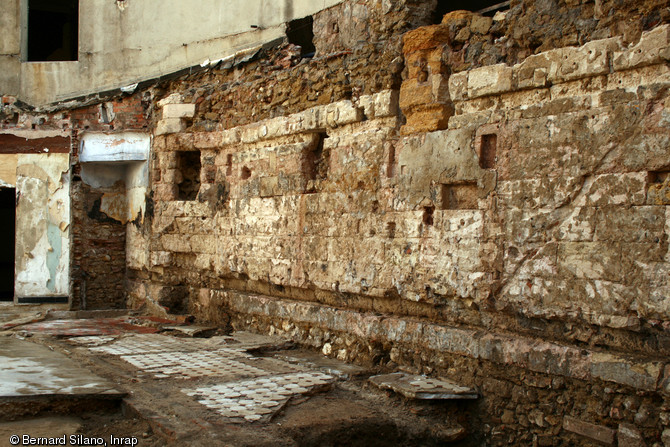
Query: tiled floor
pixel 144 343
pixel 193 364
pixel 253 399
pixel 249 389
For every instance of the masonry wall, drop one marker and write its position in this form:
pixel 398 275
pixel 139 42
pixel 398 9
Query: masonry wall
pixel 100 196
pixel 499 218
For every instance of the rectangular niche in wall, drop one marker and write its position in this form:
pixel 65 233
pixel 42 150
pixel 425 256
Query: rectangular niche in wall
pixel 487 151
pixel 117 159
pixel 462 196
pixel 188 163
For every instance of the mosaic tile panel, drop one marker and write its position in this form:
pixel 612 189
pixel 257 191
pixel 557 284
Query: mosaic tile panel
pixel 253 399
pixel 193 364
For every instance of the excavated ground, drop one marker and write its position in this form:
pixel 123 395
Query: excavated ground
pixel 240 390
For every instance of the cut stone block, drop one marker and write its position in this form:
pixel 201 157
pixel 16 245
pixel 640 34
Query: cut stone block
pixel 586 429
pixel 170 125
pixel 422 387
pixel 653 48
pixel 489 80
pixel 629 436
pixel 178 111
pixel 458 86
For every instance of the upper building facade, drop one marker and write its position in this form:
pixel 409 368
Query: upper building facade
pixel 57 51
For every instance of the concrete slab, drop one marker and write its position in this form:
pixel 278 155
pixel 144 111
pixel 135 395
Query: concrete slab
pixel 422 387
pixel 30 370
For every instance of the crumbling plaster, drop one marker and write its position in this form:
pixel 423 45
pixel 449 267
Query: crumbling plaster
pixel 42 225
pixel 108 159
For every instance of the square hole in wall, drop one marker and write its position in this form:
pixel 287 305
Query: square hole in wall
pixel 188 162
pixel 462 196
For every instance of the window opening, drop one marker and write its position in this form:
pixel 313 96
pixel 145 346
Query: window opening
pixel 428 215
pixel 390 169
pixel 390 229
pixel 229 164
pixel 300 32
pixel 658 177
pixel 53 30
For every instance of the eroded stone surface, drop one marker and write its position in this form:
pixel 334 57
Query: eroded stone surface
pixel 422 387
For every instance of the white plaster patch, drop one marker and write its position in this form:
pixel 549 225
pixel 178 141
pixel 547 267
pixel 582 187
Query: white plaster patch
pixel 92 340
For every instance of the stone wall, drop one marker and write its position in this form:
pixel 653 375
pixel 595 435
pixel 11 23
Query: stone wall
pixel 502 221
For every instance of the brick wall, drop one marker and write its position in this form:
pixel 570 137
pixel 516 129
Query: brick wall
pixel 99 238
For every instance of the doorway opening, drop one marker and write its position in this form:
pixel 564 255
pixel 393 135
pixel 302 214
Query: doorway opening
pixel 7 239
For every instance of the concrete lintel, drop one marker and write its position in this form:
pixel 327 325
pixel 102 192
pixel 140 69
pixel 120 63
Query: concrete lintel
pixel 120 147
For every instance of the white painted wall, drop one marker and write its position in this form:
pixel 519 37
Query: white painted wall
pixel 143 40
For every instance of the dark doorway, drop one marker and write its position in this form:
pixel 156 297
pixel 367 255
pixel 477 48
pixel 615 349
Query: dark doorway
pixel 7 236
pixel 53 30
